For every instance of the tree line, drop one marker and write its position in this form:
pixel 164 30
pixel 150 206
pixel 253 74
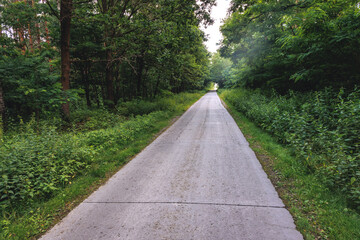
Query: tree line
pixel 302 45
pixel 99 52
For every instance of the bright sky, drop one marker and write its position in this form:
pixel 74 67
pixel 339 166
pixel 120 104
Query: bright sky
pixel 218 13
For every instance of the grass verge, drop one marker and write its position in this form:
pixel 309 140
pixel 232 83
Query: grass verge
pixel 318 212
pixel 31 221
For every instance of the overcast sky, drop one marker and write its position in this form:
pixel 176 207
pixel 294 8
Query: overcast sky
pixel 218 13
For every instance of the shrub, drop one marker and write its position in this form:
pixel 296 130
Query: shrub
pixel 35 165
pixel 86 119
pixel 322 127
pixel 37 159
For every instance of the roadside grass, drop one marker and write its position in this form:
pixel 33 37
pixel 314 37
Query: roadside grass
pixel 31 220
pixel 318 212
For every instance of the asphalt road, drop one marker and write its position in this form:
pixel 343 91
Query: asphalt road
pixel 198 180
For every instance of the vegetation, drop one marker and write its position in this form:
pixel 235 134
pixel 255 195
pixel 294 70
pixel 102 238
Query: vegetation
pixel 321 128
pixel 319 212
pixel 104 52
pixel 40 164
pixel 291 67
pixel 84 85
pixel 302 45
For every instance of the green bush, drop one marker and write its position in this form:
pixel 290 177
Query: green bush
pixel 34 165
pixel 321 127
pixel 122 133
pixel 86 119
pixel 169 103
pixel 37 159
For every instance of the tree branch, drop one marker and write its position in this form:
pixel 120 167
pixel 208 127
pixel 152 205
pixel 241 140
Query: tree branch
pixel 56 14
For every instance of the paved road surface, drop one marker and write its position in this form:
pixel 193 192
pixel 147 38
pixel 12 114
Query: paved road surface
pixel 198 180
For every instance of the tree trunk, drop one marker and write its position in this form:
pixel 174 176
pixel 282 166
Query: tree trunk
pixel 140 61
pixel 97 97
pixel 85 76
pixel 109 80
pixel 46 31
pixel 156 87
pixel 65 22
pixel 37 27
pixel 22 40
pixel 30 39
pixel 31 43
pixel 108 70
pixel 2 112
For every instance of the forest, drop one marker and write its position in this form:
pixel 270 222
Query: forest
pixel 85 85
pixel 104 52
pixel 292 68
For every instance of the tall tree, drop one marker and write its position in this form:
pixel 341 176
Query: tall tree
pixel 65 25
pixel 2 110
pixel 301 45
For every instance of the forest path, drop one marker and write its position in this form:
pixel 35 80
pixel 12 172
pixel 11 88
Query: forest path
pixel 197 180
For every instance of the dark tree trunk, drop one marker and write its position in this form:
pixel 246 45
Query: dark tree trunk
pixel 103 93
pixel 65 21
pixel 2 112
pixel 85 78
pixel 157 87
pixel 109 79
pixel 109 101
pixel 140 61
pixel 97 97
pixel 117 87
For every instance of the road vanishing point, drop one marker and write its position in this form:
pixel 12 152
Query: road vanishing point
pixel 198 180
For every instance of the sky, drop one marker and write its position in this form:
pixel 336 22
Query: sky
pixel 218 13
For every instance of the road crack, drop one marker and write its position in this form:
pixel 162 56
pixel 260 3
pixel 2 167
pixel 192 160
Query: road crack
pixel 193 203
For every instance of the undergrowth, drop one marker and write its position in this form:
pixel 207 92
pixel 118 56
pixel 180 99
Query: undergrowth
pixel 318 212
pixel 322 129
pixel 39 161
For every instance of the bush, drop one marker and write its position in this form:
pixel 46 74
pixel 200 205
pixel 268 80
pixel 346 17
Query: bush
pixel 35 165
pixel 86 119
pixel 37 159
pixel 322 128
pixel 170 103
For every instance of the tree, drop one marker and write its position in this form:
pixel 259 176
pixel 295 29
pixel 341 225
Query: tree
pixel 301 45
pixel 2 110
pixel 114 50
pixel 220 70
pixel 65 25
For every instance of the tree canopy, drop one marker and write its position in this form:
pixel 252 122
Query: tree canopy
pixel 110 51
pixel 293 44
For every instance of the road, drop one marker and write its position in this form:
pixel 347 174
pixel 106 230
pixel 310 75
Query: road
pixel 197 180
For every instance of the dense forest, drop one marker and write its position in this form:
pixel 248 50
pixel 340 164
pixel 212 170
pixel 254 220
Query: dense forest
pixel 301 45
pixel 85 85
pixel 57 52
pixel 297 64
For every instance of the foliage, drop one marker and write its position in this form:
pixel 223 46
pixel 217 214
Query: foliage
pixel 84 119
pixel 29 83
pixel 321 127
pixel 33 166
pixel 303 45
pixel 140 107
pixel 120 51
pixel 36 161
pixel 220 70
pixel 318 212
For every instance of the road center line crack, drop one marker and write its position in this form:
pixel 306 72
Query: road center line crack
pixel 192 203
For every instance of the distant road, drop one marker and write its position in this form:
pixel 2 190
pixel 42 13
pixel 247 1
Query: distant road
pixel 198 180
